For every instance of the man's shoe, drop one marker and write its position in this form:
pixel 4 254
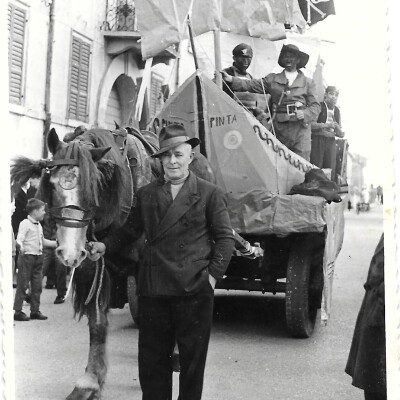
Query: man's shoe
pixel 59 300
pixel 38 315
pixel 20 316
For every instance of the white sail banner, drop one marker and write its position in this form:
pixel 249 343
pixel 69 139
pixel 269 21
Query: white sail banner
pixel 264 19
pixel 244 155
pixel 163 22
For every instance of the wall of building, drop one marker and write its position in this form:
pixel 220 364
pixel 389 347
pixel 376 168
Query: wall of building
pixel 26 120
pixel 73 17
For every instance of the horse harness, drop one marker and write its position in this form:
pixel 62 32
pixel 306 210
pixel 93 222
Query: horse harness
pixel 70 216
pixel 132 149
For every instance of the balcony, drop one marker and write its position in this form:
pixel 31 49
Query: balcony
pixel 120 16
pixel 121 34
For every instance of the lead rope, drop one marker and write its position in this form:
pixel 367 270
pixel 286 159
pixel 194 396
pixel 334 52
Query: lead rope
pixel 70 283
pixel 98 292
pixel 93 288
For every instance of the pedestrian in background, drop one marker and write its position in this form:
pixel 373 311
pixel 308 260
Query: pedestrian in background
pixel 55 270
pixel 379 194
pixel 30 241
pixel 21 198
pixel 366 363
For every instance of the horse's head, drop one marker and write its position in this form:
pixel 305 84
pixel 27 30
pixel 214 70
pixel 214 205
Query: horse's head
pixel 71 188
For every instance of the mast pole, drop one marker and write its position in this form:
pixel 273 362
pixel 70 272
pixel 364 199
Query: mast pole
pixel 196 64
pixel 217 55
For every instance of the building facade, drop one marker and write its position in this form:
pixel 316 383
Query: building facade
pixel 76 63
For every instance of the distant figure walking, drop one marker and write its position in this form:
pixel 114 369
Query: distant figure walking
pixel 379 194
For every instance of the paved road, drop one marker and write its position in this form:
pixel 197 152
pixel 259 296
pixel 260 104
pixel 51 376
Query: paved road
pixel 250 357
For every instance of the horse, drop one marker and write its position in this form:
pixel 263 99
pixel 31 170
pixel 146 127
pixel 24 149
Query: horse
pixel 89 186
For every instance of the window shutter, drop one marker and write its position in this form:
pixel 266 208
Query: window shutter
pixel 156 98
pixel 79 80
pixel 16 43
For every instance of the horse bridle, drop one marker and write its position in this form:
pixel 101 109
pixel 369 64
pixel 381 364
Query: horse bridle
pixel 71 215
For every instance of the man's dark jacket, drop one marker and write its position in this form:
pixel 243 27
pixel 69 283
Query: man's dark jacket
pixel 226 86
pixel 185 240
pixel 367 357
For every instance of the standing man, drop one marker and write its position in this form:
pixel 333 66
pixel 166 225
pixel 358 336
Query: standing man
pixel 366 362
pixel 53 268
pixel 294 99
pixel 325 130
pixel 188 245
pixel 242 56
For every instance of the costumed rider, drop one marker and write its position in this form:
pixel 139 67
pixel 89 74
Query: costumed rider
pixel 325 130
pixel 242 57
pixel 294 98
pixel 188 246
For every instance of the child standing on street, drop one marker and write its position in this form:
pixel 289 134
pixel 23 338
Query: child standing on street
pixel 30 260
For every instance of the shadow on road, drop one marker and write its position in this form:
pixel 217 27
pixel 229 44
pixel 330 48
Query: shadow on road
pixel 250 314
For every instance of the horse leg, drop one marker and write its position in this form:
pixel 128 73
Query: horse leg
pixel 90 385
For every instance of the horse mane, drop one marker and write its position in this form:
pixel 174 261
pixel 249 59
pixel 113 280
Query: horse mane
pixel 107 175
pixel 22 168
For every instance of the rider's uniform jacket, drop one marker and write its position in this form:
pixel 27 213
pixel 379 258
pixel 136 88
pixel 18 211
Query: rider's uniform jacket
pixel 302 91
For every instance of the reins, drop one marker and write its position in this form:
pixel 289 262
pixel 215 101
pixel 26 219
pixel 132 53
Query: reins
pixel 94 283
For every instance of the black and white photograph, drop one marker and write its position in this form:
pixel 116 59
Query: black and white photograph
pixel 198 200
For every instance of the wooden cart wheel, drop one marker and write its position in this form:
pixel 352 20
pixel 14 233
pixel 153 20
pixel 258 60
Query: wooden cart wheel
pixel 133 298
pixel 301 309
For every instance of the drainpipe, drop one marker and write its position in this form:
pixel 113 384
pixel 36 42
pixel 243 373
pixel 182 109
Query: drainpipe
pixel 49 62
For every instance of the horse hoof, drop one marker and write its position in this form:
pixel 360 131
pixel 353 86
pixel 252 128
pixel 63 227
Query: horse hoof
pixel 83 394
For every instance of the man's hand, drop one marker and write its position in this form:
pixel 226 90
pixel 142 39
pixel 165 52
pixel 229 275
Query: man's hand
pixel 212 280
pixel 226 77
pixel 299 114
pixel 338 130
pixel 95 250
pixel 330 125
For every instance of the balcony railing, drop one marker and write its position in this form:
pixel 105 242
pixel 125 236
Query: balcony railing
pixel 120 16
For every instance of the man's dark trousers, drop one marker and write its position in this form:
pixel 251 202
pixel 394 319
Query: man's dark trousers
pixel 323 153
pixel 55 271
pixel 186 319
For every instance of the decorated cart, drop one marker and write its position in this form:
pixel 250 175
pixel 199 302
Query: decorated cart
pixel 286 243
pixel 294 239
